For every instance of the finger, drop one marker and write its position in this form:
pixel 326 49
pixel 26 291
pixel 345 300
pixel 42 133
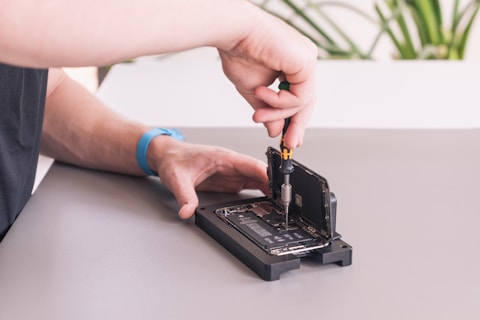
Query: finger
pixel 296 129
pixel 294 136
pixel 187 210
pixel 274 128
pixel 222 183
pixel 281 99
pixel 256 185
pixel 187 200
pixel 299 94
pixel 298 124
pixel 299 121
pixel 263 114
pixel 269 114
pixel 249 166
pixel 245 171
pixel 184 191
pixel 233 184
pixel 271 117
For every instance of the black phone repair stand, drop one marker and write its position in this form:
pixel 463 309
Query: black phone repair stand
pixel 254 230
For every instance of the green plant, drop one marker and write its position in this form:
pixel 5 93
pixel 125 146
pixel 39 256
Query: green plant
pixel 431 39
pixel 416 28
pixel 312 19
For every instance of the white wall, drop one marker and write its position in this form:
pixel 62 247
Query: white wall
pixel 190 90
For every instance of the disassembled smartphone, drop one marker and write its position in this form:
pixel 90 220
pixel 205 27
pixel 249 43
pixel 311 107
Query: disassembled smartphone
pixel 256 232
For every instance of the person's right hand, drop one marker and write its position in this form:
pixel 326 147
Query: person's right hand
pixel 272 50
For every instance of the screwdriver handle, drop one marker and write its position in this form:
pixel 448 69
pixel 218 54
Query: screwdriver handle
pixel 286 165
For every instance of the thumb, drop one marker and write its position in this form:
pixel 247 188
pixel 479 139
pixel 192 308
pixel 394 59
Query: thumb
pixel 187 200
pixel 187 210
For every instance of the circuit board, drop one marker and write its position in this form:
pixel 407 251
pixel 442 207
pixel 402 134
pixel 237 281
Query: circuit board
pixel 264 224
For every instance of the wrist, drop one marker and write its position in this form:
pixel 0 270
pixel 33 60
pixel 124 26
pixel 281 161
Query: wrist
pixel 239 19
pixel 144 157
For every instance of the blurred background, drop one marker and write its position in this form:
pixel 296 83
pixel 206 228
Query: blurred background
pixel 380 30
pixel 384 29
pixel 397 64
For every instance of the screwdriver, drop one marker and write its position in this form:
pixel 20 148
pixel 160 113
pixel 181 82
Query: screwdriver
pixel 286 166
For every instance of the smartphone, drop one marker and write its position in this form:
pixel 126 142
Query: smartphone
pixel 256 230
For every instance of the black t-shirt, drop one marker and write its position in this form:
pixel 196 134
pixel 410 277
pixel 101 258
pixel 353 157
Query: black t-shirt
pixel 22 102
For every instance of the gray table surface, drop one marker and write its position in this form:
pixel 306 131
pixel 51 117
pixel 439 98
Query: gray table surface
pixel 95 245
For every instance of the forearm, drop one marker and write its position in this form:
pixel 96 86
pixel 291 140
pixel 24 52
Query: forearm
pixel 101 32
pixel 79 129
pixel 255 48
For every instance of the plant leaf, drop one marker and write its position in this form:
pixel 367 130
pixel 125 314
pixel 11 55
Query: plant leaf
pixel 437 10
pixel 421 28
pixel 466 32
pixel 428 19
pixel 301 13
pixel 397 9
pixel 353 46
pixel 386 26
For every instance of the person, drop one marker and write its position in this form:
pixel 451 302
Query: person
pixel 42 110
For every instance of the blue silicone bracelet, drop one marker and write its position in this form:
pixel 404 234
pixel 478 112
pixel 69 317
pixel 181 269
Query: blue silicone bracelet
pixel 144 142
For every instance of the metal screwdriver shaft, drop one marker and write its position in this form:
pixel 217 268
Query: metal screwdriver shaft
pixel 286 166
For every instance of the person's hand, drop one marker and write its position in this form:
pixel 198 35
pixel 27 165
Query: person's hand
pixel 273 50
pixel 184 168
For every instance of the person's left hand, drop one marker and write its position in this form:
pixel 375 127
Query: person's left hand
pixel 185 167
